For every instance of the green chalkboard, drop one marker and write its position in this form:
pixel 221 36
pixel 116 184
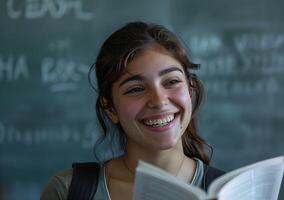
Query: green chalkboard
pixel 47 114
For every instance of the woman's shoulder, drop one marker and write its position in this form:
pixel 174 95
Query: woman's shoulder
pixel 57 186
pixel 64 177
pixel 205 174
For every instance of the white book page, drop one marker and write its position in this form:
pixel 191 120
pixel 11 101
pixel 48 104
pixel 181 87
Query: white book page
pixel 217 184
pixel 152 183
pixel 261 183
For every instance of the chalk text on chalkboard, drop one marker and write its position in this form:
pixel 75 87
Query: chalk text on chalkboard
pixel 13 68
pixel 34 9
pixel 218 65
pixel 259 42
pixel 267 62
pixel 240 88
pixel 62 74
pixel 62 134
pixel 206 43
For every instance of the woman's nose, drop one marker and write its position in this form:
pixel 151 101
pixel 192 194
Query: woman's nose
pixel 158 98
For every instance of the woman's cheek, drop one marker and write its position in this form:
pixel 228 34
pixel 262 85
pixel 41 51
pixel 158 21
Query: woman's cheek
pixel 182 96
pixel 129 108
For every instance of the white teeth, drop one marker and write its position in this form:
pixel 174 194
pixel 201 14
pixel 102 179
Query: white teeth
pixel 159 122
pixel 169 118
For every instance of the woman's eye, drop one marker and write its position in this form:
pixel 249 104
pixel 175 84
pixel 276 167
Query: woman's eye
pixel 173 82
pixel 134 90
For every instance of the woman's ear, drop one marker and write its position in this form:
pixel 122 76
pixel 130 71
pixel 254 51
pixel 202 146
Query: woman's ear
pixel 110 111
pixel 190 87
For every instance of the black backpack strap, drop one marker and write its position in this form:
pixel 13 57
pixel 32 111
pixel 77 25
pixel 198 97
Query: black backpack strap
pixel 211 173
pixel 84 181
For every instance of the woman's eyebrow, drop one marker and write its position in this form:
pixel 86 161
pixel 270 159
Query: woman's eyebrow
pixel 169 70
pixel 139 77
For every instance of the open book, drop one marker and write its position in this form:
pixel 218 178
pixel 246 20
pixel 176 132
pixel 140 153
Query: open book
pixel 258 181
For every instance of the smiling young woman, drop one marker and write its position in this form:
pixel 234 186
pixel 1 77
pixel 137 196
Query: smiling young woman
pixel 146 88
pixel 151 101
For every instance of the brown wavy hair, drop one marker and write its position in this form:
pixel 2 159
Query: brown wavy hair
pixel 120 48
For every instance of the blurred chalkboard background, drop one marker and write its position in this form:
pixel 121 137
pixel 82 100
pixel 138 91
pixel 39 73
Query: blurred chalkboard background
pixel 47 116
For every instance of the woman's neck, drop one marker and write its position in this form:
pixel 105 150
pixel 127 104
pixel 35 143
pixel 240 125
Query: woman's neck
pixel 170 160
pixel 174 161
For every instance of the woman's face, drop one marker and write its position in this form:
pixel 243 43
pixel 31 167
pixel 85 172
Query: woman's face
pixel 152 100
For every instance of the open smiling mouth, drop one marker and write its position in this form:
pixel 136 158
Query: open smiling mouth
pixel 160 122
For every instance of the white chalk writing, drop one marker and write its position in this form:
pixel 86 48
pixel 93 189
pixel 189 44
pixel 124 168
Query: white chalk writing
pixel 13 68
pixel 60 45
pixel 257 53
pixel 265 62
pixel 63 134
pixel 259 42
pixel 57 73
pixel 242 88
pixel 218 65
pixel 33 9
pixel 62 73
pixel 205 43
